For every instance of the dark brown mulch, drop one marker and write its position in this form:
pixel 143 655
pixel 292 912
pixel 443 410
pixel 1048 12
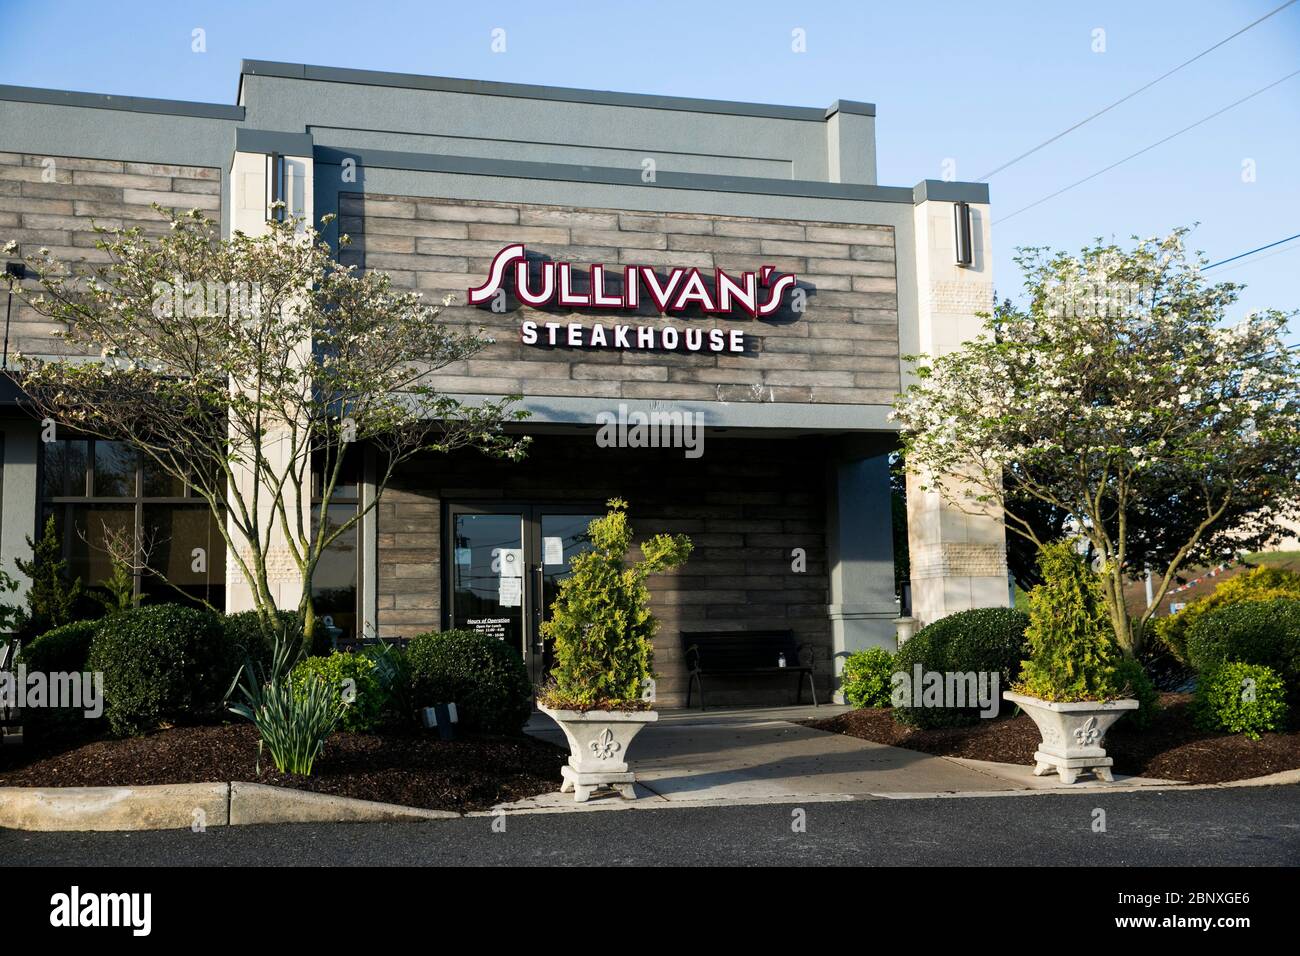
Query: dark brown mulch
pixel 472 773
pixel 1172 747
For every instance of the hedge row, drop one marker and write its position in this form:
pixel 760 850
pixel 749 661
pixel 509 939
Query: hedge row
pixel 164 663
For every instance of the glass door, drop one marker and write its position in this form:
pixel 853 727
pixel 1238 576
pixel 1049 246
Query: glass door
pixel 561 536
pixel 504 567
pixel 486 575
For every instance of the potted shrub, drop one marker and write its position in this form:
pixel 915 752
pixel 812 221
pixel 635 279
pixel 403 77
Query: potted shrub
pixel 1070 686
pixel 601 690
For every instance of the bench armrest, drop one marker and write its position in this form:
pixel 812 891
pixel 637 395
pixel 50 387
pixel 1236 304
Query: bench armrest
pixel 693 657
pixel 805 650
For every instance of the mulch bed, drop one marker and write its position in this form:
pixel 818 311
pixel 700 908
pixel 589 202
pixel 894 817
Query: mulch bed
pixel 417 770
pixel 1171 748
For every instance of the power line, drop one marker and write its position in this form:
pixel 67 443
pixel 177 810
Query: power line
pixel 1246 265
pixel 1147 149
pixel 1224 262
pixel 1130 96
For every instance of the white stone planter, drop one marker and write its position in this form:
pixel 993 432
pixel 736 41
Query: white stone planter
pixel 1073 734
pixel 598 744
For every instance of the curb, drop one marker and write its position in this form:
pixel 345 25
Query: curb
pixel 162 807
pixel 189 806
pixel 259 803
pixel 192 805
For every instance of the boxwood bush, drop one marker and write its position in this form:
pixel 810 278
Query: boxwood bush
pixel 985 639
pixel 867 677
pixel 1259 584
pixel 244 632
pixel 64 648
pixel 368 709
pixel 484 678
pixel 1255 632
pixel 1241 699
pixel 393 672
pixel 161 662
pixel 1132 680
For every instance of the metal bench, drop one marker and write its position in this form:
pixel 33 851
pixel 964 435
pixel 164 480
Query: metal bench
pixel 746 654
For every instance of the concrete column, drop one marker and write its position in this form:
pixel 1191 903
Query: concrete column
pixel 851 143
pixel 18 497
pixel 860 551
pixel 958 550
pixel 249 212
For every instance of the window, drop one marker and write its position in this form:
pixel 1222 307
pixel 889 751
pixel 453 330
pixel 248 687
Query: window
pixel 334 588
pixel 101 495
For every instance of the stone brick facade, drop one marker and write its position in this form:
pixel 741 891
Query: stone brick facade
pixel 842 350
pixel 54 202
pixel 746 504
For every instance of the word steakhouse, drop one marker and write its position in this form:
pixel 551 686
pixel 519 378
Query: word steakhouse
pixel 751 294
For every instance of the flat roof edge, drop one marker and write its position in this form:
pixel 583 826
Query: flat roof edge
pixel 133 104
pixel 609 175
pixel 941 190
pixel 415 81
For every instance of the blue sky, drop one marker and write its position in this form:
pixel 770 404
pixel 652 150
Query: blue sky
pixel 974 83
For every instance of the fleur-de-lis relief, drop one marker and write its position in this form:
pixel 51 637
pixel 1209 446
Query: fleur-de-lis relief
pixel 1087 735
pixel 605 746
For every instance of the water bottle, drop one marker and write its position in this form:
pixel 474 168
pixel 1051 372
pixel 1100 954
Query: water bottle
pixel 780 660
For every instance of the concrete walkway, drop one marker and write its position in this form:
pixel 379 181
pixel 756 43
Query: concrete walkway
pixel 764 755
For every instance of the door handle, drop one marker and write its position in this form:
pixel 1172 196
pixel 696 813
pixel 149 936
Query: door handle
pixel 539 643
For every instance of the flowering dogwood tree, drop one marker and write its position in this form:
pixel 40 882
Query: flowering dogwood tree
pixel 251 369
pixel 1119 397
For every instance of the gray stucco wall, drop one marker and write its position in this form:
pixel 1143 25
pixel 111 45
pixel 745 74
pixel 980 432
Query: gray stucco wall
pixel 550 125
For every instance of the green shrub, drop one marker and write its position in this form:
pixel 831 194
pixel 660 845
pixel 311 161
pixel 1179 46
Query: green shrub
pixel 1254 632
pixel 161 662
pixel 293 719
pixel 1241 699
pixel 1072 646
pixel 364 701
pixel 601 621
pixel 54 597
pixel 1131 680
pixel 65 648
pixel 983 640
pixel 485 679
pixel 12 617
pixel 244 633
pixel 867 677
pixel 1259 584
pixel 393 672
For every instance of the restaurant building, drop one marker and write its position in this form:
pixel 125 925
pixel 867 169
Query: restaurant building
pixel 733 269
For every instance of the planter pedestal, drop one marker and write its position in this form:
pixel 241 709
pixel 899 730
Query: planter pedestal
pixel 583 785
pixel 1073 734
pixel 598 744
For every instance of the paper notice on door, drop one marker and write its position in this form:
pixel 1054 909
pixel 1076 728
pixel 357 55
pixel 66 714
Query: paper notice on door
pixel 511 592
pixel 510 562
pixel 463 557
pixel 552 550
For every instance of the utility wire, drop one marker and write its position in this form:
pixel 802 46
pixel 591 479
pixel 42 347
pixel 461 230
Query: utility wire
pixel 1244 265
pixel 1146 149
pixel 1224 262
pixel 1130 96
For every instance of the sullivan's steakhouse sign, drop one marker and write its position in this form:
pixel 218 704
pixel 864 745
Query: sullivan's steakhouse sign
pixel 750 295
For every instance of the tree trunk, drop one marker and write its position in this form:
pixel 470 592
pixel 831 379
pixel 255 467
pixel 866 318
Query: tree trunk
pixel 1118 609
pixel 307 612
